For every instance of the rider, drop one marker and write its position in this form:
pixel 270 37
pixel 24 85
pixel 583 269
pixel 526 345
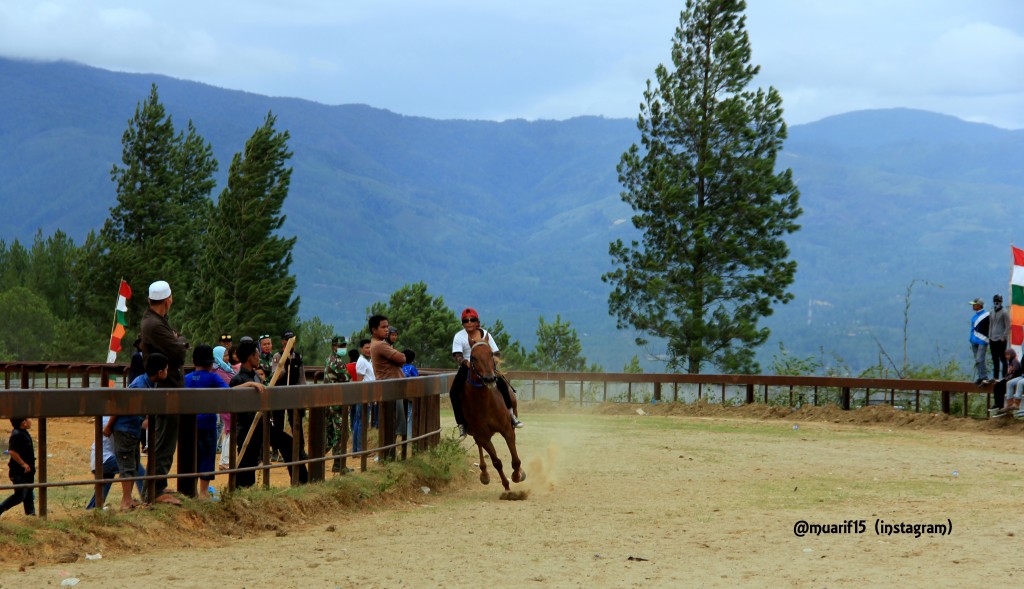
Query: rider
pixel 461 346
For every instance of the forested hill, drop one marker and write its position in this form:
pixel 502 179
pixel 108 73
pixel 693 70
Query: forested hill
pixel 515 218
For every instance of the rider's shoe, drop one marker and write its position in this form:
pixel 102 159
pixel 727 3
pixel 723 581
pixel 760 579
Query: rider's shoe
pixel 462 431
pixel 516 422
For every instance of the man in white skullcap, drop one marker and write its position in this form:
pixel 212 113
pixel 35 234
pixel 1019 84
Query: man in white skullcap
pixel 158 337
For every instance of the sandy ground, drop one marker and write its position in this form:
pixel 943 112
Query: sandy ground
pixel 629 500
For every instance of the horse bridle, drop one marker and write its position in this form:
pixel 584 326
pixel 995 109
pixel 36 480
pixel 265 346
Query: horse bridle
pixel 481 379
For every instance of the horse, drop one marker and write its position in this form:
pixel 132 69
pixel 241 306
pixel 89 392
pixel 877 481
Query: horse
pixel 486 415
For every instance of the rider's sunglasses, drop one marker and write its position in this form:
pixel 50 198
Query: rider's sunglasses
pixel 470 320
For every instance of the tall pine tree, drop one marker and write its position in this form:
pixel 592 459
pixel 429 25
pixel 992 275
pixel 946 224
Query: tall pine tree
pixel 163 200
pixel 711 208
pixel 243 281
pixel 559 348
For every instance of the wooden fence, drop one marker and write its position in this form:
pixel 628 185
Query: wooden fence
pixel 44 390
pixel 593 387
pixel 82 390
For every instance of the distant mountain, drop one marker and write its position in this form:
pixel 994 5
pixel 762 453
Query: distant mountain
pixel 515 218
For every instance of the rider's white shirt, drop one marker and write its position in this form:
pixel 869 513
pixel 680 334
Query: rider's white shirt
pixel 461 343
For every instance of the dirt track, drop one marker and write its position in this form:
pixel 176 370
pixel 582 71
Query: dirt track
pixel 657 501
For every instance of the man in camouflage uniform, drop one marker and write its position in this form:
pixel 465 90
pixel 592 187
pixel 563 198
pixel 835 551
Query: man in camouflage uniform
pixel 266 372
pixel 334 372
pixel 266 358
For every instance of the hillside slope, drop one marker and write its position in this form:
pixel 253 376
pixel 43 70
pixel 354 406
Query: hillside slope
pixel 515 217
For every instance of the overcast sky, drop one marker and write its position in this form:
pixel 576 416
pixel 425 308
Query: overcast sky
pixel 532 59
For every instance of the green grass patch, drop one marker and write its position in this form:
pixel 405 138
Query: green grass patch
pixel 244 512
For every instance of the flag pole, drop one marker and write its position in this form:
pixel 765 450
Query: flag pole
pixel 113 322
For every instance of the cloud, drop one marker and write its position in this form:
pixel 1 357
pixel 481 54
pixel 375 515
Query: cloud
pixel 537 59
pixel 975 59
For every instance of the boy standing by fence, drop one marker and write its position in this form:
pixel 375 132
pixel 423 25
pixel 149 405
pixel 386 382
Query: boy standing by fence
pixel 22 466
pixel 126 429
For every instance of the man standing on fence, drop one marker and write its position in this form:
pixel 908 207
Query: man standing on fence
pixel 158 337
pixel 979 341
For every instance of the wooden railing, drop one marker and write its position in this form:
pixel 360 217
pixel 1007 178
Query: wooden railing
pixel 580 385
pixel 73 391
pixel 593 387
pixel 44 390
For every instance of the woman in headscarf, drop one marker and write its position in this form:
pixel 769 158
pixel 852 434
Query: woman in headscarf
pixel 223 369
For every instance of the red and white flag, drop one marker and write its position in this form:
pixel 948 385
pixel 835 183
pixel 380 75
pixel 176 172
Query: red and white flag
pixel 120 322
pixel 1017 301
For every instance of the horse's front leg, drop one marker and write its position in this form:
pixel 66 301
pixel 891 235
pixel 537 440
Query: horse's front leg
pixel 484 477
pixel 487 445
pixel 518 474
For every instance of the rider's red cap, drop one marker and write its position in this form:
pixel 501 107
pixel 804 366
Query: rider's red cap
pixel 469 312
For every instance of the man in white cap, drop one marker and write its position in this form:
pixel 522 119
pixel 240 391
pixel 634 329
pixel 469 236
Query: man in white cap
pixel 158 337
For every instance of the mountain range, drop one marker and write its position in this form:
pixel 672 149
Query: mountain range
pixel 515 217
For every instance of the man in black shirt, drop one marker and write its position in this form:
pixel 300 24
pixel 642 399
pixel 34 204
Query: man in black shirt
pixel 21 467
pixel 247 376
pixel 250 357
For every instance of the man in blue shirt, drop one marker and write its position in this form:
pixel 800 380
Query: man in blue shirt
pixel 126 429
pixel 206 423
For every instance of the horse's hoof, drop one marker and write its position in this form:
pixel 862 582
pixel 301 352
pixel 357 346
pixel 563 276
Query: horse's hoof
pixel 485 478
pixel 519 476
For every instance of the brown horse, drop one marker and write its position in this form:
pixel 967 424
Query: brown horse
pixel 486 415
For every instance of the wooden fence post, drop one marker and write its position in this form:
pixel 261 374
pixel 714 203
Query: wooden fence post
pixel 42 468
pixel 318 443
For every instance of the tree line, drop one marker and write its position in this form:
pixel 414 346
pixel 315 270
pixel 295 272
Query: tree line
pixel 228 265
pixel 226 262
pixel 710 206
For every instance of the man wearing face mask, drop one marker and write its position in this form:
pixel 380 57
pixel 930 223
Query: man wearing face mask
pixel 998 333
pixel 335 372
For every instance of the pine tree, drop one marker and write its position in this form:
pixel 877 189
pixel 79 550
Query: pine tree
pixel 314 340
pixel 29 326
pixel 710 206
pixel 243 281
pixel 558 348
pixel 51 273
pixel 513 354
pixel 163 199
